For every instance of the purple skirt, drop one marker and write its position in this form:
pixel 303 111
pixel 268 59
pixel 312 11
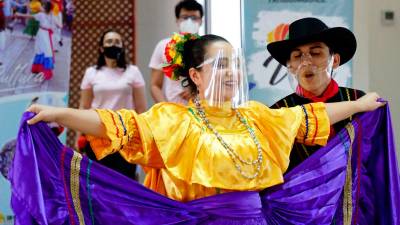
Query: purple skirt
pixel 52 184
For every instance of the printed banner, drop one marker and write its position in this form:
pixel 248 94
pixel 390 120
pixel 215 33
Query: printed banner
pixel 265 21
pixel 35 55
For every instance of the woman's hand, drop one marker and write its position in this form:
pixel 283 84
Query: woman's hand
pixel 338 111
pixel 85 121
pixel 44 113
pixel 369 102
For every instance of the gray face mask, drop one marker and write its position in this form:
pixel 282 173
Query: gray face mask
pixel 189 26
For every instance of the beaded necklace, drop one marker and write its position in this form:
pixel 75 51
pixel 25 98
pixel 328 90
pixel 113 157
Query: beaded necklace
pixel 236 159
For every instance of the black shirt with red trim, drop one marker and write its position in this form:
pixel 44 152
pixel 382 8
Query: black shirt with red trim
pixel 300 152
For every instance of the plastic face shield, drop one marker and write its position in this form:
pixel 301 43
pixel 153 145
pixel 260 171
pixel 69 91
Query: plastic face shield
pixel 226 79
pixel 305 65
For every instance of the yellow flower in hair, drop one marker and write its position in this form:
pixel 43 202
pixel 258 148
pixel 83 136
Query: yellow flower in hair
pixel 172 53
pixel 177 37
pixel 178 60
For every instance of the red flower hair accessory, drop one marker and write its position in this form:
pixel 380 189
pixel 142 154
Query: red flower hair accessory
pixel 173 54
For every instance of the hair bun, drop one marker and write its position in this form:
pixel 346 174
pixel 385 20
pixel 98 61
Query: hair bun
pixel 174 54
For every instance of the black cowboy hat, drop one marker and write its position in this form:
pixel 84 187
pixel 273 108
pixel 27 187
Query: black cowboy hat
pixel 339 39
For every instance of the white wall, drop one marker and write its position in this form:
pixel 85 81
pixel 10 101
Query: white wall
pixel 361 68
pixel 377 63
pixel 155 20
pixel 384 58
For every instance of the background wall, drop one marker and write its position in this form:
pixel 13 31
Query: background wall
pixel 376 64
pixel 155 20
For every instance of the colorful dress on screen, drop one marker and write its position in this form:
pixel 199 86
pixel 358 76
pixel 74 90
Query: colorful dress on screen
pixel 43 61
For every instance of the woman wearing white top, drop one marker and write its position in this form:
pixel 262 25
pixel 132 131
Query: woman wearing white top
pixel 112 84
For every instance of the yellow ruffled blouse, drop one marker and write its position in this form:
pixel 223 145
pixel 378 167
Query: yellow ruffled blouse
pixel 184 160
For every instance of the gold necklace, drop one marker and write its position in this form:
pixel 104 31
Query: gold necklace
pixel 232 154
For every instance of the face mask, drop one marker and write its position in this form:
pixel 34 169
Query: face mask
pixel 189 26
pixel 112 52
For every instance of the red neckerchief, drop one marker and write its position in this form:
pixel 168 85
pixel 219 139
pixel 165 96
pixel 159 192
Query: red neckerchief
pixel 331 90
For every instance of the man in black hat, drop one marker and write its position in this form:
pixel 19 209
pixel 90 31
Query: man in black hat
pixel 311 53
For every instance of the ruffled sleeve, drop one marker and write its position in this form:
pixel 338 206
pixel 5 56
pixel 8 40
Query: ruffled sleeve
pixel 170 125
pixel 315 126
pixel 149 139
pixel 308 124
pixel 128 133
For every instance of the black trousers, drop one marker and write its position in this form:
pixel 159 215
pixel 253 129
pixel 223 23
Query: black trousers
pixel 113 161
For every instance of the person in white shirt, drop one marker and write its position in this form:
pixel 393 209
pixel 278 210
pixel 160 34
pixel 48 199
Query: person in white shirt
pixel 189 14
pixel 112 84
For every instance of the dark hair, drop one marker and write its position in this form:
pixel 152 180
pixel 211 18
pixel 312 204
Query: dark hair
pixel 47 6
pixel 101 61
pixel 193 55
pixel 190 5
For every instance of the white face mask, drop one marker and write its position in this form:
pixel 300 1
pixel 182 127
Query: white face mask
pixel 189 26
